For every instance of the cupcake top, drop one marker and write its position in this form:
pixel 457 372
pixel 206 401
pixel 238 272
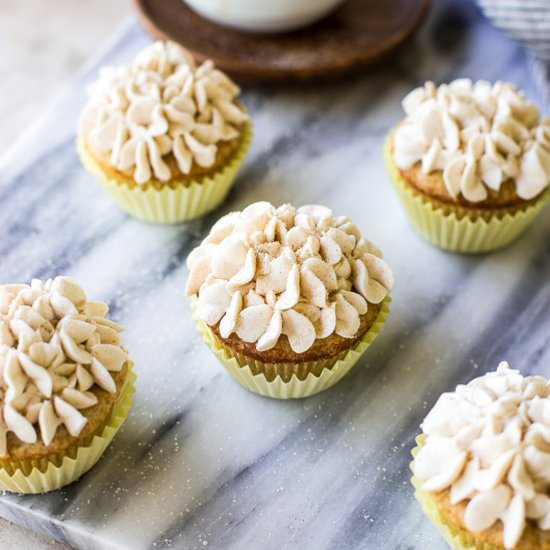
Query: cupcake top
pixel 161 104
pixel 488 442
pixel 55 347
pixel 300 272
pixel 478 135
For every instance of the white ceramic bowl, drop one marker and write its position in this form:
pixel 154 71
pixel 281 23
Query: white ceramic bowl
pixel 263 15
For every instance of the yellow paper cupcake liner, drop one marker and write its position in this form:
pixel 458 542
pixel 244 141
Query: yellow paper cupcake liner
pixel 42 476
pixel 177 204
pixel 466 235
pixel 294 388
pixel 457 539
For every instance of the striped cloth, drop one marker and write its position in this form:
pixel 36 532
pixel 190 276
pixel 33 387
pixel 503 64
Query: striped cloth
pixel 528 22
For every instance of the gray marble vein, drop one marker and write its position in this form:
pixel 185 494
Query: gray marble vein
pixel 202 463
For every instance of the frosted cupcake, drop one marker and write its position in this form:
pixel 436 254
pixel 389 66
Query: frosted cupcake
pixel 471 163
pixel 65 384
pixel 482 469
pixel 288 299
pixel 164 136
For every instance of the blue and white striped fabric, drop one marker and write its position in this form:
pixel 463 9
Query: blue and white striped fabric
pixel 528 22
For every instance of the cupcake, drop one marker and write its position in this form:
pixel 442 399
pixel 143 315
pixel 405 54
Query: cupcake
pixel 65 384
pixel 288 298
pixel 164 136
pixel 482 468
pixel 471 163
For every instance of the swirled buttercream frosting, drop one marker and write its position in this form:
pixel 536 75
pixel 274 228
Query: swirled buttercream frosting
pixel 477 135
pixel 55 346
pixel 488 442
pixel 300 272
pixel 161 104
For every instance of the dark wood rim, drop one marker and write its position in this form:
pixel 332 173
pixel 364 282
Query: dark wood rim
pixel 244 69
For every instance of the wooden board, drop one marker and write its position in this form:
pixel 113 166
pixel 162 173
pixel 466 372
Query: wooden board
pixel 355 35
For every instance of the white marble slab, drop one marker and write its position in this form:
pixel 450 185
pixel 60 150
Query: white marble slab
pixel 203 463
